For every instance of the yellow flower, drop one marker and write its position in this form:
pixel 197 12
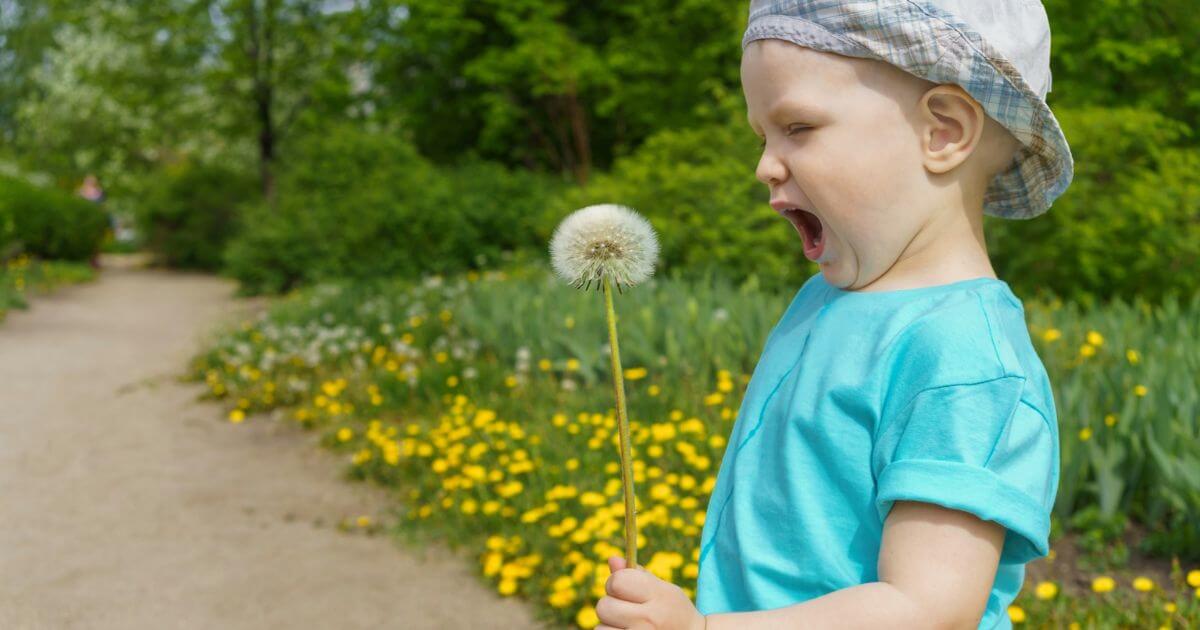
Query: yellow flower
pixel 714 398
pixel 452 381
pixel 1087 350
pixel 1143 583
pixel 1170 607
pixel 1051 334
pixel 1110 419
pixel 364 521
pixel 507 586
pixel 1139 390
pixel 510 381
pixel 662 431
pixel 634 374
pixel 344 434
pixel 1094 338
pixel 572 364
pixel 1046 590
pixel 569 322
pixel 1133 356
pixel 1074 625
pixel 1085 433
pixel 1103 584
pixel 441 357
pixel 1193 577
pixel 1016 614
pixel 572 463
pixel 561 598
pixel 587 618
pixel 653 390
pixel 724 385
pixel 237 415
pixel 545 365
pixel 492 562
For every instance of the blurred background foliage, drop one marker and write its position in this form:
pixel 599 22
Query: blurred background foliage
pixel 463 129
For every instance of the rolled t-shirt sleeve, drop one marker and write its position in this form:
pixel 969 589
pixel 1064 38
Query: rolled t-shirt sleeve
pixel 976 447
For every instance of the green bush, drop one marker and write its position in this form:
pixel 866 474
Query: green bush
pixel 190 215
pixel 360 203
pixel 1129 224
pixel 8 233
pixel 51 223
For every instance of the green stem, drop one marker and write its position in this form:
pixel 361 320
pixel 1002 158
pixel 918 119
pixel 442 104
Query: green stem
pixel 623 429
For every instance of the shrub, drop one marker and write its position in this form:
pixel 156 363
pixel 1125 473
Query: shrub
pixel 1129 224
pixel 51 223
pixel 361 203
pixel 193 212
pixel 8 233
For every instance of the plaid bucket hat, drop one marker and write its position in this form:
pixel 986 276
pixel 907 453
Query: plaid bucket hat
pixel 998 51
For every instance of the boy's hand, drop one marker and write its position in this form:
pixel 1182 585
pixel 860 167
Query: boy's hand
pixel 638 600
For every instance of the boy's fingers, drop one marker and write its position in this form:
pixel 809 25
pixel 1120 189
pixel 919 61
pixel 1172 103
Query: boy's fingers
pixel 629 586
pixel 616 563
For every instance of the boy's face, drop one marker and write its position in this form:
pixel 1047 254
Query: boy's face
pixel 840 142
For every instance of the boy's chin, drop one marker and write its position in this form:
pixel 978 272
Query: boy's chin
pixel 833 274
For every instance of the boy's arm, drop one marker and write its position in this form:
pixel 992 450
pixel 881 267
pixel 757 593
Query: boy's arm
pixel 936 568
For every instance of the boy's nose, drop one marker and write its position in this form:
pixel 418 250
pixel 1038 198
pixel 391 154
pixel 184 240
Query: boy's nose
pixel 770 170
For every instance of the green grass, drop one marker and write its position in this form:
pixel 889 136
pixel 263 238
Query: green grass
pixel 23 276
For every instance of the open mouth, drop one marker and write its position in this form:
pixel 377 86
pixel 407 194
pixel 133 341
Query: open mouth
pixel 810 228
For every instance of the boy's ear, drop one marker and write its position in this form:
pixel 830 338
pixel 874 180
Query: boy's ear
pixel 951 125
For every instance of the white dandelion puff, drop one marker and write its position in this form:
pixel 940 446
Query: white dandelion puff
pixel 604 241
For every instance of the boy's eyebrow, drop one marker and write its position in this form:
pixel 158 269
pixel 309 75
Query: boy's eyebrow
pixel 801 109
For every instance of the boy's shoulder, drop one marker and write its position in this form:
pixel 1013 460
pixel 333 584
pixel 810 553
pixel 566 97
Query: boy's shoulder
pixel 965 337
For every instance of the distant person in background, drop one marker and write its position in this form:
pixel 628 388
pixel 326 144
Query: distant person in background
pixel 90 189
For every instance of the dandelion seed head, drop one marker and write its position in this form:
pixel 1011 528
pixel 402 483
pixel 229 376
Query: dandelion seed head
pixel 604 241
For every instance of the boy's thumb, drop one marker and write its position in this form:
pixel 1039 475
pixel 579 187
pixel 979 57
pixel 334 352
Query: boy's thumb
pixel 616 563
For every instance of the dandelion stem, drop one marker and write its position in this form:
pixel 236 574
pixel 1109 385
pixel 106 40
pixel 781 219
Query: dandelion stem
pixel 623 429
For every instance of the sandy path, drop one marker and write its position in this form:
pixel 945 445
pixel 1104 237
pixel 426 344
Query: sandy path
pixel 126 504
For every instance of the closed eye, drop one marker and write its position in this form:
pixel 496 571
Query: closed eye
pixel 791 132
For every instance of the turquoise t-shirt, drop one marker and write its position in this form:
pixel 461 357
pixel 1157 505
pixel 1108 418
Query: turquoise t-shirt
pixel 860 399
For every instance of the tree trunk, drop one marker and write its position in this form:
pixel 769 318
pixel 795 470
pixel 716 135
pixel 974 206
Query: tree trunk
pixel 579 133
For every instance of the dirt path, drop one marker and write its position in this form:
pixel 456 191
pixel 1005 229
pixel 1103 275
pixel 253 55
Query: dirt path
pixel 126 504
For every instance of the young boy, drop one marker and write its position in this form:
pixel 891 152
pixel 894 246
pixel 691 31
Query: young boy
pixel 896 457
